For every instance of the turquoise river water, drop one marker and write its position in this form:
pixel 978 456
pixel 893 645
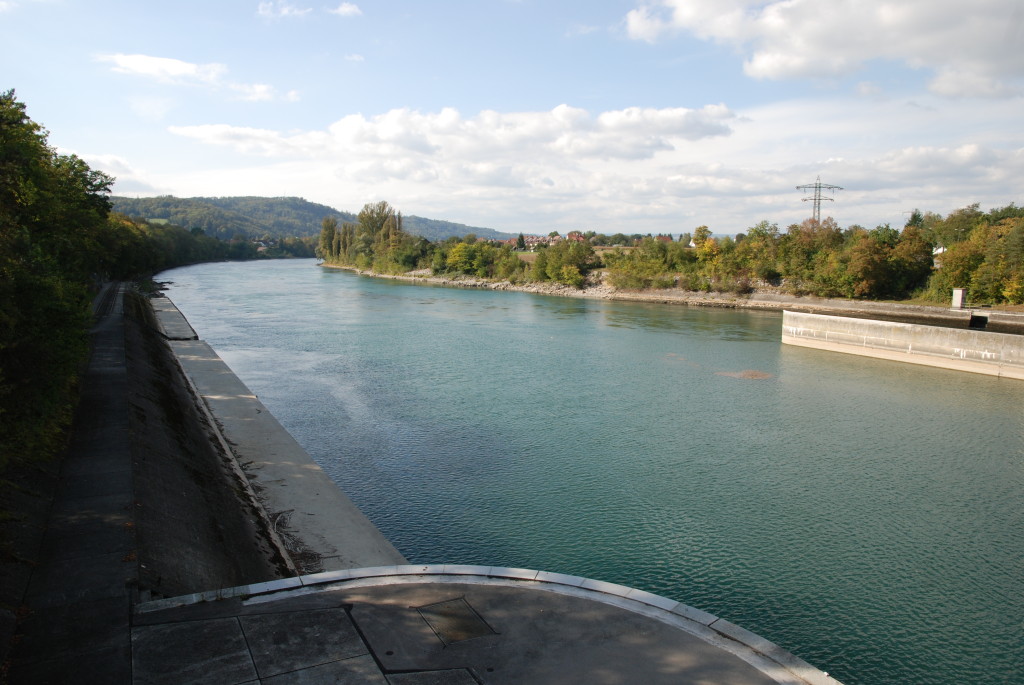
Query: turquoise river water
pixel 866 515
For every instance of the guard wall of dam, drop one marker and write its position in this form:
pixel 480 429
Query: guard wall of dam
pixel 994 354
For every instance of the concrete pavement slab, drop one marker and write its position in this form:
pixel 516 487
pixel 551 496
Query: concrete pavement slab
pixel 294 640
pixel 446 677
pixel 198 652
pixel 356 671
pixel 459 629
pixel 540 637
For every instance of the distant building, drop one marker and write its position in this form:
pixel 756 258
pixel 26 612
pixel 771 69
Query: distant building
pixel 532 241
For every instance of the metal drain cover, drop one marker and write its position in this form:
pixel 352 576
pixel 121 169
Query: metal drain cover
pixel 454 620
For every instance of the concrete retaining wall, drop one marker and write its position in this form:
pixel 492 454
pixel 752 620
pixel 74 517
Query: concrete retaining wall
pixel 320 528
pixel 994 354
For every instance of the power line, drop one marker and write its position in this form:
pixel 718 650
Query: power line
pixel 817 187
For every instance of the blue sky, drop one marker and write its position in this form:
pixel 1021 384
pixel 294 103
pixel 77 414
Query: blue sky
pixel 530 115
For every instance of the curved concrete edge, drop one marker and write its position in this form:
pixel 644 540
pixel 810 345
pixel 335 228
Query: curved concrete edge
pixel 762 654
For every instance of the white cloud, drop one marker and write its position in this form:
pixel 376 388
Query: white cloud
pixel 7 5
pixel 165 69
pixel 346 9
pixel 253 92
pixel 633 133
pixel 178 72
pixel 254 141
pixel 128 179
pixel 354 58
pixel 974 50
pixel 640 169
pixel 952 81
pixel 868 89
pixel 280 9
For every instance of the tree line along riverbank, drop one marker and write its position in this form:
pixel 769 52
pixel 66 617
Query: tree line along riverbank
pixel 982 252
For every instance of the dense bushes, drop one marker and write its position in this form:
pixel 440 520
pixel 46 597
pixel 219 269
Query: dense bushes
pixel 811 258
pixel 377 242
pixel 981 252
pixel 53 227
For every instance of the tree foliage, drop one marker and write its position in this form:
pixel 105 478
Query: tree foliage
pixel 59 241
pixel 53 212
pixel 376 240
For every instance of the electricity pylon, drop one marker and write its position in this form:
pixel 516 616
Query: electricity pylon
pixel 818 186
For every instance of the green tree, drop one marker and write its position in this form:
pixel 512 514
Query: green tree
pixel 374 216
pixel 328 230
pixel 53 223
pixel 460 258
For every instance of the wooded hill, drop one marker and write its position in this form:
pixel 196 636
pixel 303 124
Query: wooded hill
pixel 275 217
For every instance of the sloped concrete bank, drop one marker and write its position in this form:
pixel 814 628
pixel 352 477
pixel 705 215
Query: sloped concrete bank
pixel 314 524
pixel 993 354
pixel 194 526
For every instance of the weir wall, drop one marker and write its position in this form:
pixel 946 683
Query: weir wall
pixel 993 354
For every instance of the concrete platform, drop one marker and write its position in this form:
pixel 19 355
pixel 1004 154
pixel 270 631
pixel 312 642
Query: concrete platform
pixel 448 625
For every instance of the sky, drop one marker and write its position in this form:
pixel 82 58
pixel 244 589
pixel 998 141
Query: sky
pixel 634 116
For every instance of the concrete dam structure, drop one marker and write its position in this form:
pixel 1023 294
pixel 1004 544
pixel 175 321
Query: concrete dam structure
pixel 975 351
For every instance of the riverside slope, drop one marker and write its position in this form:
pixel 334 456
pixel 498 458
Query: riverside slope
pixel 315 524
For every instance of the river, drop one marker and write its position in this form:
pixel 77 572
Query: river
pixel 866 515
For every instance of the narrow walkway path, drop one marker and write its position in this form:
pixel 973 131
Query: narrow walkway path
pixel 80 593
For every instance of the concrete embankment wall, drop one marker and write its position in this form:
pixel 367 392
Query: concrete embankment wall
pixel 994 354
pixel 320 528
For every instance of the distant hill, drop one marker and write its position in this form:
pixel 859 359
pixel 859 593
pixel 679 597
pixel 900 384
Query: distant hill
pixel 436 229
pixel 226 217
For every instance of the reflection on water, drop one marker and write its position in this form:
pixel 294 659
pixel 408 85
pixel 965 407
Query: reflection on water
pixel 864 514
